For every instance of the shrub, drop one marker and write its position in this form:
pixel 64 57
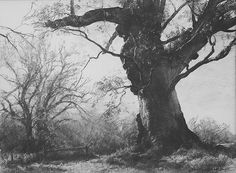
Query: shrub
pixel 12 136
pixel 210 131
pixel 121 157
pixel 129 132
pixel 115 135
pixel 102 135
pixel 105 138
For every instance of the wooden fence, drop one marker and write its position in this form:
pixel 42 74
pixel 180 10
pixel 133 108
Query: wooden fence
pixel 85 148
pixel 24 156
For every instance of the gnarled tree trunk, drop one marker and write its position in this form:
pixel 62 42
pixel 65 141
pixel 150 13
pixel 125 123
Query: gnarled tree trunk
pixel 151 74
pixel 162 117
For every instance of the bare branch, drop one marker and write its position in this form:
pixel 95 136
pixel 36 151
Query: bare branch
pixel 62 121
pixel 17 32
pixel 117 88
pixel 224 25
pixel 161 9
pixel 120 99
pixel 6 78
pixel 68 106
pixel 113 37
pixel 72 8
pixel 173 15
pixel 209 23
pixel 6 37
pixel 115 106
pixel 86 64
pixel 206 60
pixel 172 39
pixel 90 60
pixel 83 34
pixel 10 111
pixel 114 15
pixel 229 30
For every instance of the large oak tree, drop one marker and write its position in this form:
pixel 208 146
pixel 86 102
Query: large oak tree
pixel 153 65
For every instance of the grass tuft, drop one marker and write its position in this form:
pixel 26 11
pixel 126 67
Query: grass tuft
pixel 196 159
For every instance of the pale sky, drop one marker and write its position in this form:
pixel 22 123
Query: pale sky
pixel 208 92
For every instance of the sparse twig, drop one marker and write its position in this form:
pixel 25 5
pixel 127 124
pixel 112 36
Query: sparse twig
pixel 83 34
pixel 173 15
pixel 206 60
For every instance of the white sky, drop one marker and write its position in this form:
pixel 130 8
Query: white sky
pixel 208 92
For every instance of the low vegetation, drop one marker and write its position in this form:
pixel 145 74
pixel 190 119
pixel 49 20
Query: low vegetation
pixel 192 160
pixel 211 132
pixel 117 139
pixel 196 159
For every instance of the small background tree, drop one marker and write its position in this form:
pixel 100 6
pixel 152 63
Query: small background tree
pixel 44 87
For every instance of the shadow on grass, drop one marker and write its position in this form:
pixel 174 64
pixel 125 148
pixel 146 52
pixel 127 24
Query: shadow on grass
pixel 183 160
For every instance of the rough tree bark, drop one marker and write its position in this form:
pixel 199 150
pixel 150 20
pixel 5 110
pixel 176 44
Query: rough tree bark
pixel 154 70
pixel 151 75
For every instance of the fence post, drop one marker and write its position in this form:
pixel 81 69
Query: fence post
pixel 12 158
pixel 86 150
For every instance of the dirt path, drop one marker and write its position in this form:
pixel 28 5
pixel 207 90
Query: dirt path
pixel 92 166
pixel 97 166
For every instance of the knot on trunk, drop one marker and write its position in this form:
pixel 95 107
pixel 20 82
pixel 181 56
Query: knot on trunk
pixel 140 57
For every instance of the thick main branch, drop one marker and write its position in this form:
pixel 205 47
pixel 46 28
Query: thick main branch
pixel 115 15
pixel 206 60
pixel 209 23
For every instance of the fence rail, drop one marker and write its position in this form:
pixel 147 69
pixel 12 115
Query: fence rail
pixel 86 148
pixel 22 156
